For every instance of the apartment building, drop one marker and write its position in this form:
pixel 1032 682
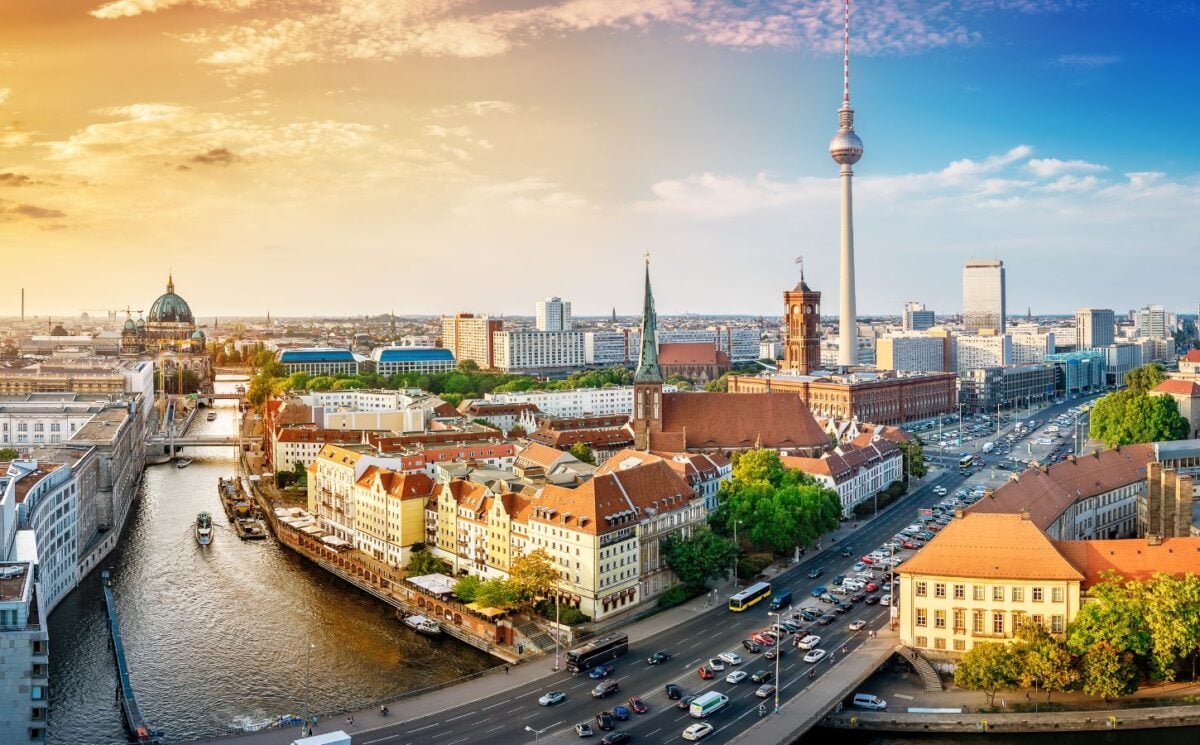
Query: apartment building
pixel 1094 327
pixel 1031 346
pixel 911 353
pixel 856 473
pixel 983 350
pixel 576 402
pixel 469 337
pixel 322 361
pixel 538 351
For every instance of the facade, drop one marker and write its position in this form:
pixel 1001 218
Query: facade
pixel 984 304
pixel 1186 394
pixel 986 388
pixel 698 362
pixel 1152 322
pixel 1119 360
pixel 1077 372
pixel 879 397
pixel 576 402
pixel 1166 508
pixel 911 353
pixel 916 317
pixel 302 444
pixel 703 472
pixel 538 351
pixel 469 337
pixel 976 351
pixel 1094 327
pixel 389 513
pixel 25 665
pixel 609 348
pixel 802 320
pixel 321 361
pixel 856 473
pixel 168 332
pixel 620 348
pixel 552 314
pixel 423 360
pixel 331 486
pixel 48 498
pixel 87 376
pixel 1031 347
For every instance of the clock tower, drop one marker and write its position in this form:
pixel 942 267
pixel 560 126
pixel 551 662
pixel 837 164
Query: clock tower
pixel 802 316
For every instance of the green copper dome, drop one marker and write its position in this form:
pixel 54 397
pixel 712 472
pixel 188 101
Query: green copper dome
pixel 170 308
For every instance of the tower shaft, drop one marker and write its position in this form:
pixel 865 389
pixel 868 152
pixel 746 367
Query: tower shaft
pixel 847 313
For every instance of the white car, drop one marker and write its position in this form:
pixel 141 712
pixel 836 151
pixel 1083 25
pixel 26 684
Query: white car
pixel 698 731
pixel 815 655
pixel 809 642
pixel 552 698
pixel 737 676
pixel 886 599
pixel 857 625
pixel 733 658
pixel 716 664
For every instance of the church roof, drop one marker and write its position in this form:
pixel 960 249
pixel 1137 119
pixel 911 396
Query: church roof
pixel 742 420
pixel 170 308
pixel 648 370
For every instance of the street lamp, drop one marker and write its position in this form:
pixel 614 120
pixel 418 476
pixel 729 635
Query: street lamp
pixel 537 733
pixel 778 650
pixel 557 626
pixel 307 677
pixel 736 551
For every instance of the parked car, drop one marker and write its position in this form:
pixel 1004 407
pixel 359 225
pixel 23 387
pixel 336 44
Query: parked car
pixel 842 608
pixel 886 599
pixel 871 600
pixel 775 651
pixel 818 591
pixel 751 646
pixel 763 638
pixel 826 619
pixel 871 587
pixel 839 579
pixel 552 698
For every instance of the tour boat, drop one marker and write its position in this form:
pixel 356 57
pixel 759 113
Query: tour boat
pixel 204 529
pixel 183 462
pixel 212 416
pixel 423 624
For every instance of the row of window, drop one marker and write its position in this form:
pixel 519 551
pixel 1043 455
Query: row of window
pixel 979 592
pixel 999 621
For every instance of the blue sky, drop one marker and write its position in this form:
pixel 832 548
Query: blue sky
pixel 516 149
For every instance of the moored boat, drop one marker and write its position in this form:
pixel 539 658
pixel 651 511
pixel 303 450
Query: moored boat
pixel 183 462
pixel 422 624
pixel 204 529
pixel 211 416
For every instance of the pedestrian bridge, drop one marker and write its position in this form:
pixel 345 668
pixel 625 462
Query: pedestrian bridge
pixel 200 440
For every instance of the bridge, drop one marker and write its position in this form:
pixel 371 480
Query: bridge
pixel 199 440
pixel 129 706
pixel 210 397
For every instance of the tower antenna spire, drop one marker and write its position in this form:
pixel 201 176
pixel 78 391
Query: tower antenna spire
pixel 846 58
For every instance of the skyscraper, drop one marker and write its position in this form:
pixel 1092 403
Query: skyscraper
pixel 983 296
pixel 1152 322
pixel 846 148
pixel 916 317
pixel 1094 327
pixel 553 315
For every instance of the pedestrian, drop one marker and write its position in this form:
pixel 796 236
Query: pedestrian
pixel 506 669
pixel 1026 695
pixel 350 720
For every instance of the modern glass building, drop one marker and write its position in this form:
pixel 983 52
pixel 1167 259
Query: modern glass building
pixel 1077 372
pixel 983 296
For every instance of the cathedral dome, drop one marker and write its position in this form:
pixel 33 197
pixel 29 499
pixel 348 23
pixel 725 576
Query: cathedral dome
pixel 129 325
pixel 170 308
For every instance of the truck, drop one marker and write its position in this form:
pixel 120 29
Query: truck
pixel 989 447
pixel 328 738
pixel 707 703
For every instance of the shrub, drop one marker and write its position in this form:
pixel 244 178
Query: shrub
pixel 567 614
pixel 752 565
pixel 679 594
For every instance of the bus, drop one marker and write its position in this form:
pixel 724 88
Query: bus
pixel 750 596
pixel 707 703
pixel 597 651
pixel 966 460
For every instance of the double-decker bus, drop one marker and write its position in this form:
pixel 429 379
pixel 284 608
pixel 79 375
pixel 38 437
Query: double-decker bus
pixel 597 651
pixel 750 596
pixel 966 460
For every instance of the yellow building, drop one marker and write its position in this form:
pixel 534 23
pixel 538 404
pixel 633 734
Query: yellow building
pixel 389 513
pixel 976 580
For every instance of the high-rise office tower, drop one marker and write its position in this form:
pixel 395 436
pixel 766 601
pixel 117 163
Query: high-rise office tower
pixel 1152 322
pixel 846 148
pixel 916 317
pixel 1094 327
pixel 553 315
pixel 983 296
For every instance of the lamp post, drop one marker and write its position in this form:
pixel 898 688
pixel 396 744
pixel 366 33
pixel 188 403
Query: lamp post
pixel 778 651
pixel 537 733
pixel 307 677
pixel 557 626
pixel 736 551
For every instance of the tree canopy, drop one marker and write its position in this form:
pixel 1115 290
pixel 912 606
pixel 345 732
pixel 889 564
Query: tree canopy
pixel 700 558
pixel 532 576
pixel 1144 378
pixel 989 668
pixel 1131 416
pixel 583 452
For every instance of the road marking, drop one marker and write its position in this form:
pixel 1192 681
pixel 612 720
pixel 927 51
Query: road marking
pixel 461 739
pixel 689 665
pixel 442 734
pixel 493 706
pixel 512 711
pixel 574 687
pixel 461 716
pixel 789 667
pixel 381 739
pixel 652 734
pixel 901 695
pixel 493 729
pixel 423 728
pixel 485 720
pixel 530 716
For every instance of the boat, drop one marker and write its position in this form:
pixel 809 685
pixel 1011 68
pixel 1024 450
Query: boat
pixel 183 462
pixel 422 624
pixel 250 529
pixel 204 529
pixel 212 416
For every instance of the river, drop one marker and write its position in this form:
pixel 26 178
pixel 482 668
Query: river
pixel 221 635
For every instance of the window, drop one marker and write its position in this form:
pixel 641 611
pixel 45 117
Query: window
pixel 997 623
pixel 1018 594
pixel 921 589
pixel 960 623
pixel 1038 619
pixel 977 592
pixel 939 619
pixel 960 592
pixel 1037 594
pixel 939 589
pixel 921 616
pixel 922 641
pixel 1056 594
pixel 998 593
pixel 939 643
pixel 960 645
pixel 1056 624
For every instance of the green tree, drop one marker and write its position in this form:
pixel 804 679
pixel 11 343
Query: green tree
pixel 989 668
pixel 532 576
pixel 1129 416
pixel 9 454
pixel 421 563
pixel 914 457
pixel 720 385
pixel 321 383
pixel 467 588
pixel 583 452
pixel 468 367
pixel 1113 616
pixel 496 593
pixel 1107 672
pixel 1044 661
pixel 702 557
pixel 1144 378
pixel 1171 607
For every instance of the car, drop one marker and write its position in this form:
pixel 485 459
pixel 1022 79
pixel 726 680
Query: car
pixel 716 664
pixel 828 598
pixel 762 676
pixel 616 738
pixel 871 600
pixel 774 652
pixel 839 579
pixel 685 703
pixel 706 672
pixel 809 642
pixel 621 713
pixel 766 690
pixel 751 646
pixel 826 619
pixel 814 573
pixel 674 692
pixel 637 704
pixel 733 658
pixel 809 614
pixel 552 698
pixel 842 608
pixel 872 587
pixel 818 591
pixel 792 626
pixel 601 671
pixel 886 599
pixel 583 729
pixel 605 721
pixel 815 655
pixel 737 676
pixel 658 658
pixel 858 597
pixel 763 638
pixel 911 545
pixel 846 552
pixel 605 689
pixel 698 731
pixel 857 625
pixel 859 566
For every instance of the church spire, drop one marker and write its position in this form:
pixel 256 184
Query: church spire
pixel 170 282
pixel 648 370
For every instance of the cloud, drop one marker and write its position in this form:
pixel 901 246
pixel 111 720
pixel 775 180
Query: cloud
pixel 1050 167
pixel 217 156
pixel 473 108
pixel 15 179
pixel 531 197
pixel 129 8
pixel 12 210
pixel 1087 61
pixel 4 93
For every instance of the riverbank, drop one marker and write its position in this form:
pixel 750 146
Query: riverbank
pixel 1024 722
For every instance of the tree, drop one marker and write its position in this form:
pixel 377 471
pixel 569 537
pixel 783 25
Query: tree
pixel 1171 607
pixel 421 563
pixel 467 588
pixel 1144 378
pixel 468 367
pixel 583 452
pixel 532 576
pixel 1108 673
pixel 1129 416
pixel 720 385
pixel 989 668
pixel 496 593
pixel 914 457
pixel 702 557
pixel 1043 661
pixel 1113 616
pixel 9 454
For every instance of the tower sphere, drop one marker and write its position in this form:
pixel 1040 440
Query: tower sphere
pixel 846 147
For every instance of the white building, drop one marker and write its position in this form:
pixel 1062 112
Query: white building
pixel 423 360
pixel 1094 327
pixel 978 351
pixel 553 314
pixel 857 474
pixel 610 348
pixel 321 361
pixel 576 402
pixel 1031 347
pixel 1152 322
pixel 44 419
pixel 1120 359
pixel 916 317
pixel 408 410
pixel 532 351
pixel 919 353
pixel 984 305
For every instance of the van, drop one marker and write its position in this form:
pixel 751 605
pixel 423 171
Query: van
pixel 707 703
pixel 869 701
pixel 781 600
pixel 839 590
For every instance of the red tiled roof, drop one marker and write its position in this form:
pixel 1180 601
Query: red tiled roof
pixel 613 500
pixel 1193 355
pixel 688 353
pixel 540 455
pixel 1178 388
pixel 741 420
pixel 1133 558
pixel 991 547
pixel 303 434
pixel 603 438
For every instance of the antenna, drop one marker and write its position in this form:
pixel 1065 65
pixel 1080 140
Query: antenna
pixel 846 59
pixel 800 262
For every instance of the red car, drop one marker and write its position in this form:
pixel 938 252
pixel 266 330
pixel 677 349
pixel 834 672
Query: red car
pixel 909 545
pixel 638 705
pixel 867 560
pixel 764 639
pixel 706 672
pixel 871 587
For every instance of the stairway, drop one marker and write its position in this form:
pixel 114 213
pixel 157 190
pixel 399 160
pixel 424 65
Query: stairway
pixel 929 676
pixel 535 634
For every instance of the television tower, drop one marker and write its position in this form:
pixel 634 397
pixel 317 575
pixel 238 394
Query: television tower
pixel 846 149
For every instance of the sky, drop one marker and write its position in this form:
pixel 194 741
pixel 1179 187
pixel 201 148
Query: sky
pixel 432 156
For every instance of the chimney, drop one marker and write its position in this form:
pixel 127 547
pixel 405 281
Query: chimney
pixel 1025 514
pixel 989 493
pixel 1153 539
pixel 1071 458
pixel 958 513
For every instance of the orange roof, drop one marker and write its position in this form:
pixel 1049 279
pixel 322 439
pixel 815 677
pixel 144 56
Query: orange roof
pixel 741 420
pixel 1132 558
pixel 396 484
pixel 615 499
pixel 540 455
pixel 689 353
pixel 988 546
pixel 309 435
pixel 1178 388
pixel 1048 493
pixel 1193 355
pixel 339 455
pixel 818 466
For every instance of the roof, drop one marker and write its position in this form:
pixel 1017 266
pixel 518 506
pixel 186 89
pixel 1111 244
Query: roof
pixel 308 435
pixel 316 354
pixel 339 455
pixel 842 464
pixel 741 420
pixel 1132 559
pixel 396 484
pixel 1193 355
pixel 603 439
pixel 412 354
pixel 1178 388
pixel 1048 493
pixel 541 455
pixel 991 546
pixel 689 353
pixel 615 499
pixel 1174 450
